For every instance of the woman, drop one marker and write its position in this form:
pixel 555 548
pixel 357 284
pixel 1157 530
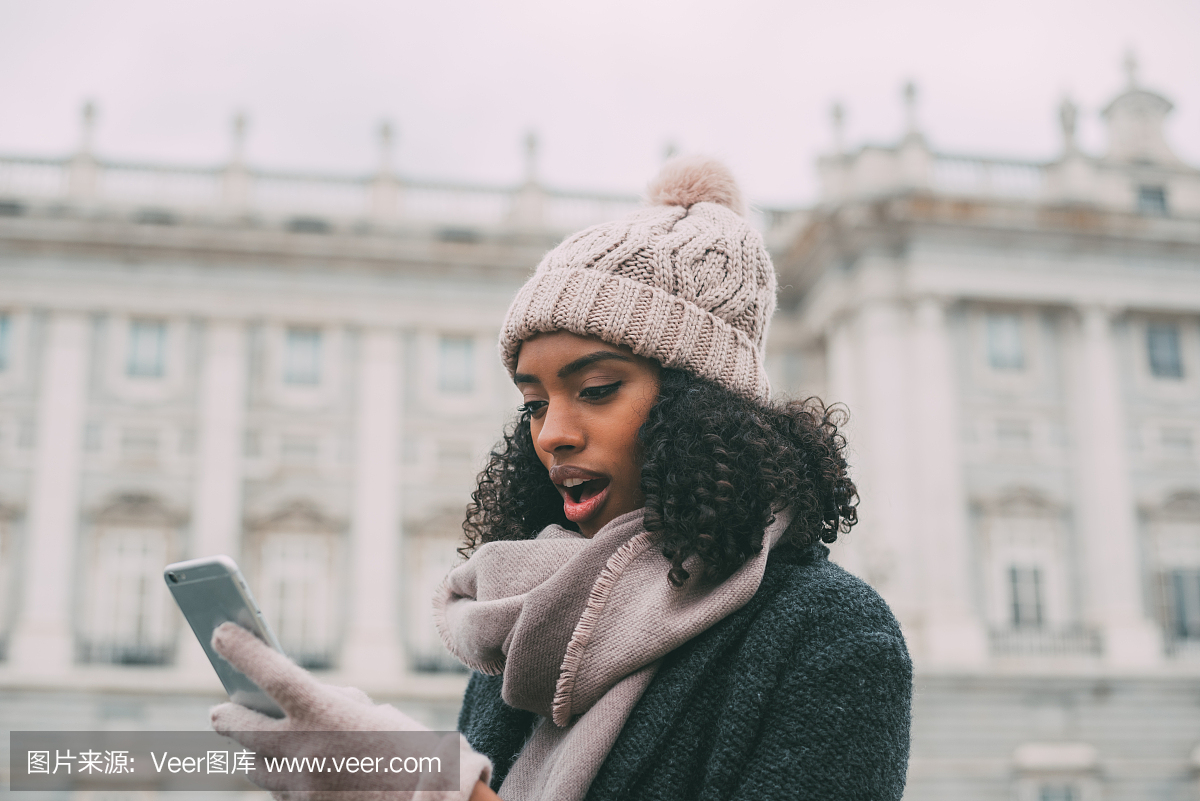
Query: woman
pixel 647 603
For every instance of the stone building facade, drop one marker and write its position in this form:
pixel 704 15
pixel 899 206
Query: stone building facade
pixel 1018 347
pixel 300 371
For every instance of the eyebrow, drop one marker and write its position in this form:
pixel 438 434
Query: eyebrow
pixel 575 366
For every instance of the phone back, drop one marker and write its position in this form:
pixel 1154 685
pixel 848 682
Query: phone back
pixel 211 591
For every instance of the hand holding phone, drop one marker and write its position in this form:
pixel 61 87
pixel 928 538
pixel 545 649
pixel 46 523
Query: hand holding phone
pixel 211 591
pixel 325 720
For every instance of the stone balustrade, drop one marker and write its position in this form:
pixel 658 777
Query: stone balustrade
pixel 300 201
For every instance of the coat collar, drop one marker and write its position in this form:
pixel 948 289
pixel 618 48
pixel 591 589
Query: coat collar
pixel 675 684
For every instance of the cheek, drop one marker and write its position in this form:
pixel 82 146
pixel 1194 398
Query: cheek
pixel 630 448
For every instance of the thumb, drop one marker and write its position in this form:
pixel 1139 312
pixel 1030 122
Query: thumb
pixel 231 717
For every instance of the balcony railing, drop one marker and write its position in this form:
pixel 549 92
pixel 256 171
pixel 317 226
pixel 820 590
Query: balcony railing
pixel 124 653
pixel 171 193
pixel 1059 641
pixel 962 175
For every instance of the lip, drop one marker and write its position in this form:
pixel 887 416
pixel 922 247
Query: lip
pixel 581 510
pixel 561 472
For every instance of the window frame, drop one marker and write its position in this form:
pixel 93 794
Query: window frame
pixel 1181 586
pixel 1151 200
pixel 1176 371
pixel 993 344
pixel 127 518
pixel 302 522
pixel 135 353
pixel 466 384
pixel 1036 324
pixel 116 335
pixel 268 382
pixel 6 337
pixel 309 374
pixel 421 371
pixel 1024 528
pixel 1019 594
pixel 14 372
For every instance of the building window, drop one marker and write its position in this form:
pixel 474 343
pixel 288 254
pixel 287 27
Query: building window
pixel 1173 552
pixel 126 616
pixel 298 592
pixel 1152 201
pixel 147 348
pixel 1005 348
pixel 1058 792
pixel 1183 604
pixel 456 372
pixel 1025 588
pixel 5 340
pixel 430 552
pixel 1163 351
pixel 302 356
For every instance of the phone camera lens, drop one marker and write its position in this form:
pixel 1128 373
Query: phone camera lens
pixel 174 577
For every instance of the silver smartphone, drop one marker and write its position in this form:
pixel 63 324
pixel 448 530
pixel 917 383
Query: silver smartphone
pixel 211 591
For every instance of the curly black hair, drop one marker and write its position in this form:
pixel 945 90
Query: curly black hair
pixel 716 467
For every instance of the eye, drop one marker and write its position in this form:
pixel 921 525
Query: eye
pixel 531 407
pixel 596 393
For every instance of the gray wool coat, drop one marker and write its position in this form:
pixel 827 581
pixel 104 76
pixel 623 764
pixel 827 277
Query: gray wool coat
pixel 804 693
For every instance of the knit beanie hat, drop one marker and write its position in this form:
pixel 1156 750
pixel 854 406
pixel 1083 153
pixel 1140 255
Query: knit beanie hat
pixel 685 281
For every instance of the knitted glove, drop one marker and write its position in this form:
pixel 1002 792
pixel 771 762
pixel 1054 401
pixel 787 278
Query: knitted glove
pixel 320 709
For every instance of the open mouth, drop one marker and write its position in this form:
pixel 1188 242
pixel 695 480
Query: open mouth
pixel 579 490
pixel 582 497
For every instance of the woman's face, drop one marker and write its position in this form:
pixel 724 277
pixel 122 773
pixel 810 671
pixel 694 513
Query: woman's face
pixel 587 401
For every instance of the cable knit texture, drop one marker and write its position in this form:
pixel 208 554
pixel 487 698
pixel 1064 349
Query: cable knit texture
pixel 803 693
pixel 686 282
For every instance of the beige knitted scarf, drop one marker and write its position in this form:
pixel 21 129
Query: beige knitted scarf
pixel 578 626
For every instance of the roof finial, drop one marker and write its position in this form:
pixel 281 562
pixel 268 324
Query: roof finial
pixel 837 113
pixel 386 140
pixel 239 137
pixel 1068 117
pixel 87 128
pixel 910 109
pixel 1131 68
pixel 82 179
pixel 531 156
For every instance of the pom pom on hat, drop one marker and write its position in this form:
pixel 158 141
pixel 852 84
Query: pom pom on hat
pixel 687 282
pixel 688 180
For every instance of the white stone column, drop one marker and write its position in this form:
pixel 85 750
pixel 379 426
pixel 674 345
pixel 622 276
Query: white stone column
pixel 217 512
pixel 372 650
pixel 217 500
pixel 42 637
pixel 847 551
pixel 885 449
pixel 954 633
pixel 1107 529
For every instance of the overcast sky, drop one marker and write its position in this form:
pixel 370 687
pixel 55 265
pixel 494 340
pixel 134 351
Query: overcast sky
pixel 606 83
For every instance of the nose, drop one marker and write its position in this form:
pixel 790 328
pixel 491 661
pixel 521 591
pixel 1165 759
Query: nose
pixel 560 431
